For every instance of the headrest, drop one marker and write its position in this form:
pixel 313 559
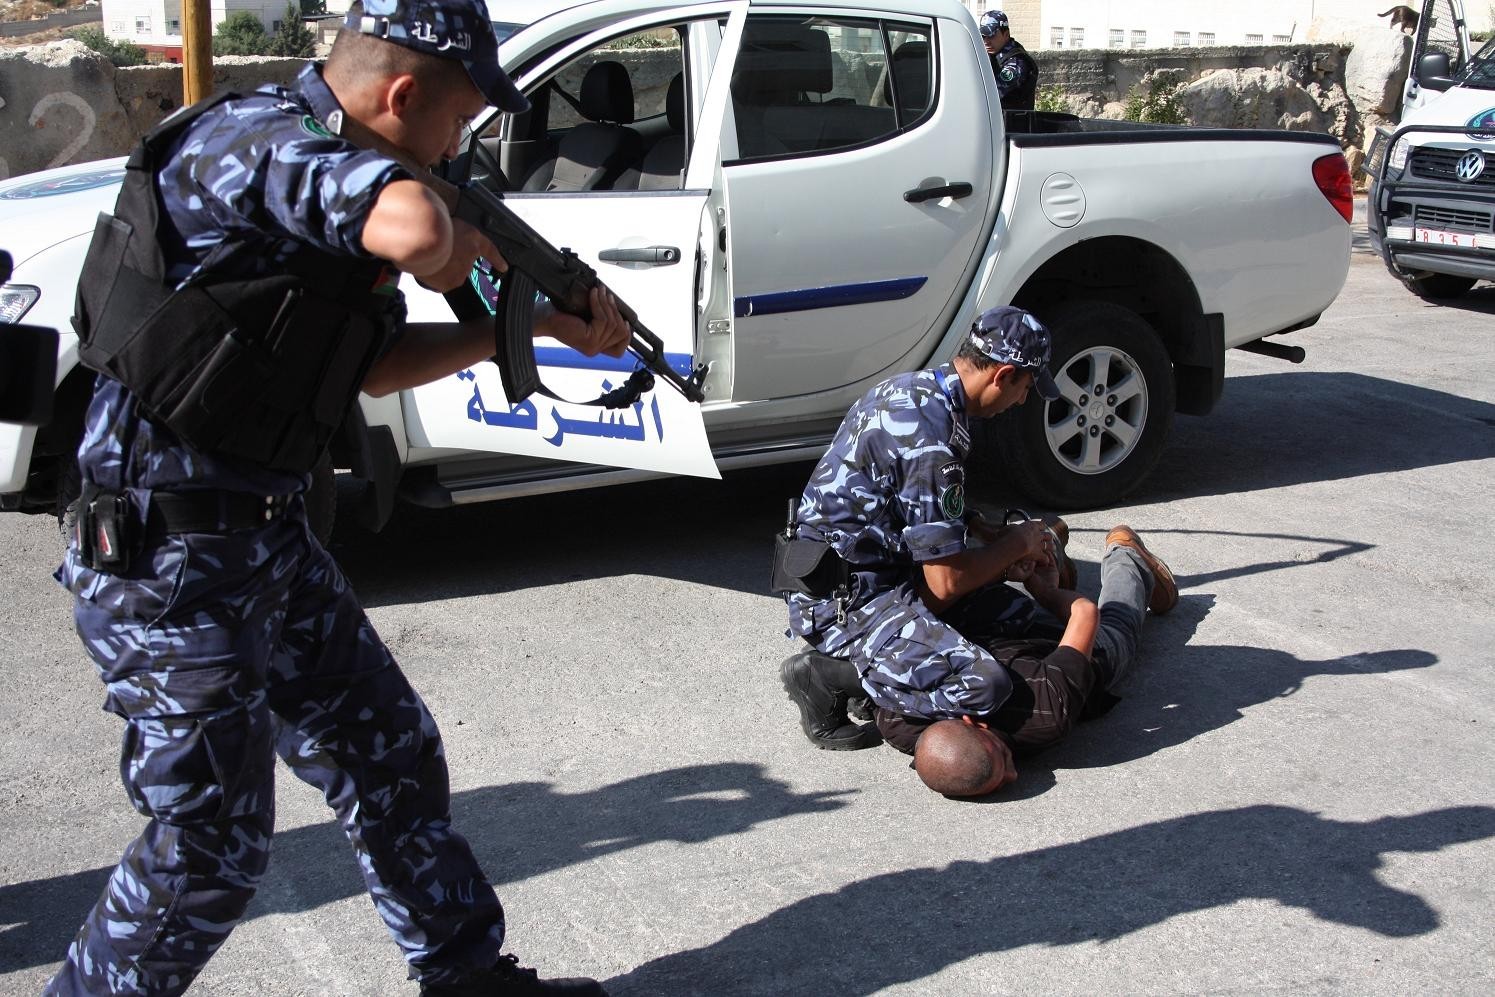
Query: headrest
pixel 674 104
pixel 784 57
pixel 910 74
pixel 607 94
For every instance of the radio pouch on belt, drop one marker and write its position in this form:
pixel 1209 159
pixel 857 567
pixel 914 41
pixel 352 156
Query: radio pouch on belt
pixel 809 567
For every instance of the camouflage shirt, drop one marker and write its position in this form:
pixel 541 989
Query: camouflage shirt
pixel 251 182
pixel 890 491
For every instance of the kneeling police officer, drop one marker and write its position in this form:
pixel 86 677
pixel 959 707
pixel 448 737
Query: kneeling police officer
pixel 240 297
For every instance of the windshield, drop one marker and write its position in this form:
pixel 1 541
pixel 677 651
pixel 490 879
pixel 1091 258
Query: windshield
pixel 504 29
pixel 1481 69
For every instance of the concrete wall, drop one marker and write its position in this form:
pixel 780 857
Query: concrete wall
pixel 64 103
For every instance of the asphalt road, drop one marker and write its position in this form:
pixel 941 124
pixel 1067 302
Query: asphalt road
pixel 1297 794
pixel 61 19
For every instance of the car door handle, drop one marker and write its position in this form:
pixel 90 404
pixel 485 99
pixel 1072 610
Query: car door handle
pixel 920 194
pixel 657 256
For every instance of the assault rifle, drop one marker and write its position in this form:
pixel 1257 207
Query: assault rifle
pixel 534 263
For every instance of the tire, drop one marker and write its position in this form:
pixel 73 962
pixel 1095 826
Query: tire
pixel 321 501
pixel 1436 286
pixel 69 492
pixel 1063 454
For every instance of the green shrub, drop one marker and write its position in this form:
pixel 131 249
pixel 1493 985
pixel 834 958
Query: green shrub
pixel 1050 99
pixel 1160 105
pixel 241 34
pixel 294 38
pixel 119 53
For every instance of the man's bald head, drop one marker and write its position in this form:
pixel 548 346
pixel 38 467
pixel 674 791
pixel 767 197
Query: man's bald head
pixel 957 759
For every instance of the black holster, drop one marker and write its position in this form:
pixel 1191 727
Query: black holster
pixel 108 533
pixel 809 567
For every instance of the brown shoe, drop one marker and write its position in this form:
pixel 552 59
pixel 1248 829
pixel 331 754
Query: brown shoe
pixel 1068 574
pixel 1164 589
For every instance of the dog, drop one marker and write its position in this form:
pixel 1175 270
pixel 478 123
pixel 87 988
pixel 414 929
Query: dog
pixel 1402 17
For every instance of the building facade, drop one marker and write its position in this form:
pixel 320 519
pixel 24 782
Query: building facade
pixel 156 25
pixel 1136 24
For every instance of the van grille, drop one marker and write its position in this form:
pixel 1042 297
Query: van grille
pixel 1451 220
pixel 1438 164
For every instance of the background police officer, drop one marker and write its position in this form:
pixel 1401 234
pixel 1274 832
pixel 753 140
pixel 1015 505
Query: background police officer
pixel 1014 68
pixel 889 498
pixel 222 630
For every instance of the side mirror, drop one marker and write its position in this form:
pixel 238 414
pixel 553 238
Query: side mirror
pixel 1434 71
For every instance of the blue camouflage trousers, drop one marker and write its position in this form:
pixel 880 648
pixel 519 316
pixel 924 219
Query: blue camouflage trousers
pixel 220 651
pixel 916 663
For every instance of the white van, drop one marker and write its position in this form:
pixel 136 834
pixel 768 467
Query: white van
pixel 1431 209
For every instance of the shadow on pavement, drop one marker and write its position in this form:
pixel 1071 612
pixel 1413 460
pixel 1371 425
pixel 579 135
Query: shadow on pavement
pixel 1276 430
pixel 1270 431
pixel 908 925
pixel 717 533
pixel 518 831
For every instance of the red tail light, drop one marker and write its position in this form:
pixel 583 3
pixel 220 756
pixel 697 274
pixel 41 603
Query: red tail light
pixel 1332 174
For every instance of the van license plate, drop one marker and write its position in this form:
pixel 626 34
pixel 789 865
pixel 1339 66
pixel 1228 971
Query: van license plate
pixel 1465 240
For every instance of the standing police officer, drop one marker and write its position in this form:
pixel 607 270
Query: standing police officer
pixel 916 600
pixel 240 296
pixel 1014 68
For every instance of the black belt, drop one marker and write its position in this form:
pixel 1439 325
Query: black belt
pixel 212 512
pixel 109 539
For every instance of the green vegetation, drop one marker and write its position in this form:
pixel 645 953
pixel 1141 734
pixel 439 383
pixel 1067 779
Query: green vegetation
pixel 1160 105
pixel 241 34
pixel 1050 99
pixel 119 53
pixel 294 38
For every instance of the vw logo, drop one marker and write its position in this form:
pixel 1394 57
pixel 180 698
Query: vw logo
pixel 1471 164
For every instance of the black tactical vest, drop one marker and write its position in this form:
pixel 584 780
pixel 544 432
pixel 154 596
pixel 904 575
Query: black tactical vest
pixel 1023 97
pixel 263 368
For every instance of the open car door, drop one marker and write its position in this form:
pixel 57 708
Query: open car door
pixel 598 166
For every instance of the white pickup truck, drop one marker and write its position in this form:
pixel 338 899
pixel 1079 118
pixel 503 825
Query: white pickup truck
pixel 1431 201
pixel 810 198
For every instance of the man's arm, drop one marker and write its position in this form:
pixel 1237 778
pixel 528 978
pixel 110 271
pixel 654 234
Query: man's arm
pixel 946 580
pixel 431 350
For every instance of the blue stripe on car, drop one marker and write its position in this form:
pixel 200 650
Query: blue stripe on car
pixel 834 296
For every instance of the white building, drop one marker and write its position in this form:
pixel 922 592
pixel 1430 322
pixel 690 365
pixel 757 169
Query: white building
pixel 1129 24
pixel 156 25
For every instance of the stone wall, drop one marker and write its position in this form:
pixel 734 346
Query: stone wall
pixel 63 103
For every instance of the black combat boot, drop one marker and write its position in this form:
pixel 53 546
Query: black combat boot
pixel 820 686
pixel 509 979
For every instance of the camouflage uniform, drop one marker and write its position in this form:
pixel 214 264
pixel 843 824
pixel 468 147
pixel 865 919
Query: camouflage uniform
pixel 222 649
pixel 888 495
pixel 1017 76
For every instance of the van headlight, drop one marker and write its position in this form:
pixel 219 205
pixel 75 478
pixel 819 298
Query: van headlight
pixel 15 301
pixel 1399 153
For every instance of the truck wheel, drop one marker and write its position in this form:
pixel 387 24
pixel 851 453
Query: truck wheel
pixel 1437 285
pixel 321 500
pixel 1103 435
pixel 69 496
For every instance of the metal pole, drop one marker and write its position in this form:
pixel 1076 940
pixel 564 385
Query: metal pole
pixel 197 51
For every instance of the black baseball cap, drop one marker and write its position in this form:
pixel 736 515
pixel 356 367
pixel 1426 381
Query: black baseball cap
pixel 1013 336
pixel 992 22
pixel 450 29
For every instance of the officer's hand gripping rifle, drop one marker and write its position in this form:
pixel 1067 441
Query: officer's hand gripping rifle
pixel 534 262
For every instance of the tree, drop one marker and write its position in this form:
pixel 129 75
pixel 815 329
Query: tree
pixel 119 53
pixel 293 38
pixel 309 7
pixel 241 34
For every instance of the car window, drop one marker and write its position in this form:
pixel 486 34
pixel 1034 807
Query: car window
pixel 814 85
pixel 613 118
